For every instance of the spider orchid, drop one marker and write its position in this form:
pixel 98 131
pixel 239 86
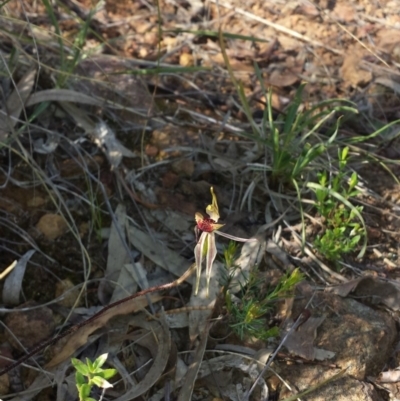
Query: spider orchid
pixel 206 247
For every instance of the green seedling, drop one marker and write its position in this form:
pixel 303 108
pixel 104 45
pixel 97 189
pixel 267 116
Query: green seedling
pixel 91 374
pixel 343 229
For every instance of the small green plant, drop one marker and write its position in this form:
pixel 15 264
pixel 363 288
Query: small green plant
pixel 91 373
pixel 343 229
pixel 247 314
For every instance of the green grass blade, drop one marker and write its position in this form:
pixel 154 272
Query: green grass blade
pixel 162 70
pixel 54 21
pixel 358 139
pixel 215 34
pixel 303 225
pixel 292 112
pixel 4 3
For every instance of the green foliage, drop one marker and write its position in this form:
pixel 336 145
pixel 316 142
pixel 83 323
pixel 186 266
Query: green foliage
pixel 291 150
pixel 90 374
pixel 247 315
pixel 343 230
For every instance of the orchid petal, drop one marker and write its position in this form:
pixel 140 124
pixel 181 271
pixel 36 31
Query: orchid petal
pixel 217 226
pixel 198 255
pixel 233 238
pixel 211 255
pixel 198 217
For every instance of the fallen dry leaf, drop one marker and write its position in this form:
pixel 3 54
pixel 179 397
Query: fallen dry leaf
pixel 80 338
pixel 374 290
pixel 62 95
pixel 13 283
pixel 16 102
pixel 283 78
pixel 158 342
pixel 116 259
pixel 344 12
pixel 301 341
pixel 160 255
pixel 351 71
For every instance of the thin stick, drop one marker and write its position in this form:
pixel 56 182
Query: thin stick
pixel 39 347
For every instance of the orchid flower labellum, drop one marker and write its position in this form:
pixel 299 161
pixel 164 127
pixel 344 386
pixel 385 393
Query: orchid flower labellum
pixel 206 247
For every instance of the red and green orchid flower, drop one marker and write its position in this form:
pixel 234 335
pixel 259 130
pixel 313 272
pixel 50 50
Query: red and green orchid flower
pixel 206 247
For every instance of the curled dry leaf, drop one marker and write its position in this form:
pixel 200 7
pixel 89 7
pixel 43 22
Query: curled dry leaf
pixel 80 338
pixel 192 373
pixel 158 342
pixel 158 253
pixel 250 256
pixel 103 135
